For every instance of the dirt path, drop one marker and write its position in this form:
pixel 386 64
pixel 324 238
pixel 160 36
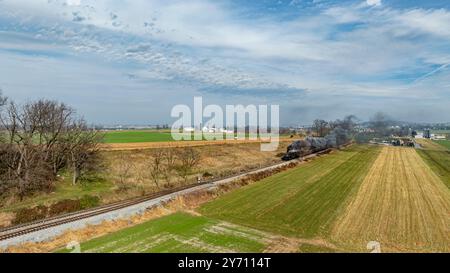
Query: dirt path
pixel 402 204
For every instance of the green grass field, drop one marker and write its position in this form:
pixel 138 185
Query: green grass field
pixel 445 143
pixel 178 233
pixel 136 136
pixel 440 131
pixel 439 162
pixel 139 136
pixel 300 209
pixel 300 202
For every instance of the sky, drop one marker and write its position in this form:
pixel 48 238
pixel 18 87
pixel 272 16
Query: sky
pixel 131 61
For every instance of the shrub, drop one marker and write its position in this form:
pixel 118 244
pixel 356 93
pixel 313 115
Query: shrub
pixel 89 201
pixel 26 215
pixel 64 206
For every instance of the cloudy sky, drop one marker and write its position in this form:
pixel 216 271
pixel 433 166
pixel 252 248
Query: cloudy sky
pixel 130 61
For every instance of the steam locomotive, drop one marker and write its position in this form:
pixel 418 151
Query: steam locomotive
pixel 308 146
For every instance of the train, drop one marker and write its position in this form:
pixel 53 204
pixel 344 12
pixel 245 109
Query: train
pixel 336 138
pixel 307 146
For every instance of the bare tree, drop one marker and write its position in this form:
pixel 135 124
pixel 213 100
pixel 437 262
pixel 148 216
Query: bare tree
pixel 41 139
pixel 26 128
pixel 170 163
pixel 320 127
pixel 124 168
pixel 155 166
pixel 189 158
pixel 83 149
pixel 3 99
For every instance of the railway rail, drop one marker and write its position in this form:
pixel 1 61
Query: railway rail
pixel 19 230
pixel 15 231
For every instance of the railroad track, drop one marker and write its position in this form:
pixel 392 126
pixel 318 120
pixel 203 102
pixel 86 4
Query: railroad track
pixel 15 231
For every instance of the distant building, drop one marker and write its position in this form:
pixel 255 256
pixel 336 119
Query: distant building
pixel 439 137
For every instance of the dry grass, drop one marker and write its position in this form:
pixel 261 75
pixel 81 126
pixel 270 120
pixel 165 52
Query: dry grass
pixel 216 160
pixel 186 203
pixel 430 145
pixel 95 231
pixel 6 219
pixel 179 144
pixel 402 204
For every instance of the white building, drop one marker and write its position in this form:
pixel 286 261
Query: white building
pixel 438 137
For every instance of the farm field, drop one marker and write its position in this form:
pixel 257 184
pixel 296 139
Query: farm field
pixel 148 136
pixel 402 204
pixel 112 184
pixel 439 162
pixel 179 144
pixel 334 203
pixel 180 232
pixel 428 144
pixel 440 131
pixel 136 136
pixel 300 202
pixel 445 143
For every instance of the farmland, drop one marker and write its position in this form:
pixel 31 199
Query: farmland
pixel 402 204
pixel 334 203
pixel 136 136
pixel 181 232
pixel 430 145
pixel 148 136
pixel 445 143
pixel 439 162
pixel 301 202
pixel 115 182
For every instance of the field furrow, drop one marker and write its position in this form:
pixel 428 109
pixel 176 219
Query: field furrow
pixel 402 204
pixel 301 202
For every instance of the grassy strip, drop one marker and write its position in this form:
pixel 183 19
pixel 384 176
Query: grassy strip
pixel 178 233
pixel 439 162
pixel 444 143
pixel 300 202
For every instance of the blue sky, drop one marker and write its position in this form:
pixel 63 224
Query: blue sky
pixel 131 61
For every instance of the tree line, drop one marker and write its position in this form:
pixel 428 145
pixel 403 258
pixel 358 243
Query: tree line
pixel 322 127
pixel 40 139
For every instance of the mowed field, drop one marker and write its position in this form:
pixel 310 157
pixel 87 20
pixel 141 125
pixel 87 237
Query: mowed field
pixel 153 139
pixel 180 232
pixel 445 143
pixel 335 203
pixel 137 136
pixel 438 158
pixel 402 204
pixel 300 202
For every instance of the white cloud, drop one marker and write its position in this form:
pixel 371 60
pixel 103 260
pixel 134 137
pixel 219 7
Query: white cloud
pixel 73 2
pixel 373 2
pixel 345 50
